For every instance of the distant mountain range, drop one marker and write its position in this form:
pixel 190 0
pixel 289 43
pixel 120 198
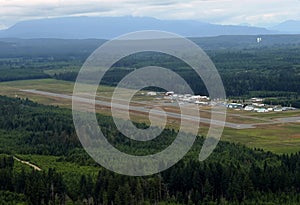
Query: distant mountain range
pixel 289 27
pixel 110 27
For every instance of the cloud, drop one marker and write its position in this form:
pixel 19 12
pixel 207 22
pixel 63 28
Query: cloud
pixel 255 12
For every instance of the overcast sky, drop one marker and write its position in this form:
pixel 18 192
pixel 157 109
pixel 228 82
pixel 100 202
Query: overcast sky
pixel 253 12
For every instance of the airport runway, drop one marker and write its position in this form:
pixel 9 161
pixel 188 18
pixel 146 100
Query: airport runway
pixel 170 114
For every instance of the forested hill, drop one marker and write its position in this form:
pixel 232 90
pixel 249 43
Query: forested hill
pixel 246 67
pixel 232 174
pixel 13 47
pixel 55 48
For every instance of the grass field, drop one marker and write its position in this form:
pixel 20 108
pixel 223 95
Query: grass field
pixel 46 162
pixel 278 138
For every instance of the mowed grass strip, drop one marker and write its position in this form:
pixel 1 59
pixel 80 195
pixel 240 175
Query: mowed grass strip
pixel 46 162
pixel 279 138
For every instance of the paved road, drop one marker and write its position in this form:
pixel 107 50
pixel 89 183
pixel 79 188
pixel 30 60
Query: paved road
pixel 170 114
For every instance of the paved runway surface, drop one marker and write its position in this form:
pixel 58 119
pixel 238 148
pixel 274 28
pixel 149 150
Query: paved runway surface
pixel 170 114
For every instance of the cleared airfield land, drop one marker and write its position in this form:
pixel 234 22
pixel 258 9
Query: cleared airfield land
pixel 271 132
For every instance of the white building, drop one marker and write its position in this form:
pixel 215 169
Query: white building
pixel 169 93
pixel 257 99
pixel 249 108
pixel 151 93
pixel 201 103
pixel 261 110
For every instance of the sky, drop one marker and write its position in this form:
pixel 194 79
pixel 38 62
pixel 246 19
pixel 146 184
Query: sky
pixel 264 13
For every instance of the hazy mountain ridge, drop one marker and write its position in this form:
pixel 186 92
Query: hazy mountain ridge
pixel 291 27
pixel 110 27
